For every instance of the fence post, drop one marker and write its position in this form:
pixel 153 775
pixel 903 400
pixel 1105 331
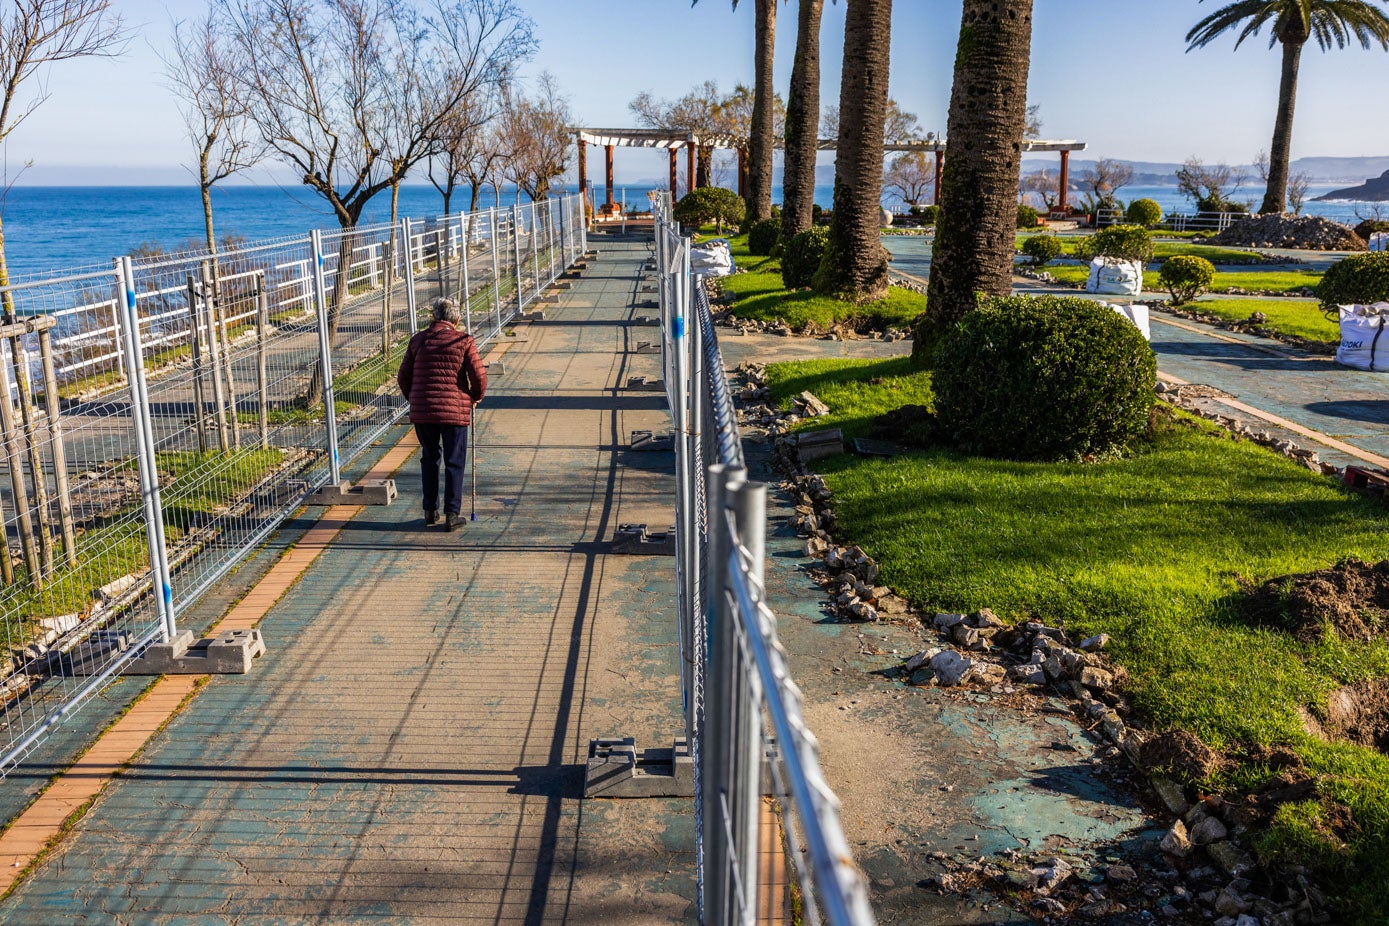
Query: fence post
pixel 262 377
pixel 60 457
pixel 214 350
pixel 516 240
pixel 496 267
pixel 535 246
pixel 28 542
pixel 325 359
pixel 128 318
pixel 465 285
pixel 583 227
pixel 409 276
pixel 749 504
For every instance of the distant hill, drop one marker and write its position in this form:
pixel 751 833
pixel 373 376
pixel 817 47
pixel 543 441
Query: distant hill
pixel 1375 190
pixel 1154 173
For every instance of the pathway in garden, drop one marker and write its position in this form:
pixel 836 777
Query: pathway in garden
pixel 410 748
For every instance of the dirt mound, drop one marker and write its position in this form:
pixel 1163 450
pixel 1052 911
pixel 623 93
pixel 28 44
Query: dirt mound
pixel 1351 598
pixel 1182 754
pixel 1359 714
pixel 1290 231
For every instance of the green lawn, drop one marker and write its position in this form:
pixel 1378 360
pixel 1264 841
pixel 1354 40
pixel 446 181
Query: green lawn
pixel 1300 318
pixel 1163 249
pixel 760 295
pixel 1279 281
pixel 1152 548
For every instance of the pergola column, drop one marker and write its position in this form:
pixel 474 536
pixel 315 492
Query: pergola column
pixel 674 175
pixel 1064 181
pixel 583 176
pixel 689 166
pixel 940 168
pixel 608 207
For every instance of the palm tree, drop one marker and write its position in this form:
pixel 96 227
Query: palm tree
pixel 802 124
pixel 983 157
pixel 1293 23
pixel 761 140
pixel 855 263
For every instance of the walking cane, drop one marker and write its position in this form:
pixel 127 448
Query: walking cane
pixel 472 438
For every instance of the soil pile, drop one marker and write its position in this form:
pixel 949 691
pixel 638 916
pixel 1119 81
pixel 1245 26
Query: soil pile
pixel 1352 598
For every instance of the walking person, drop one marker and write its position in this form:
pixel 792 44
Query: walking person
pixel 443 378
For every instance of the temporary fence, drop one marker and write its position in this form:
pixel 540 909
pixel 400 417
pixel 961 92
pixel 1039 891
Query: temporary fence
pixel 162 416
pixel 1212 222
pixel 743 712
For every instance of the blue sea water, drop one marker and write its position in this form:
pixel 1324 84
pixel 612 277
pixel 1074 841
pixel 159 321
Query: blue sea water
pixel 58 228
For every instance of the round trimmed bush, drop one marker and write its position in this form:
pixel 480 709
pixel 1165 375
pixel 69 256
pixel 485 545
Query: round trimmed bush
pixel 763 237
pixel 1186 276
pixel 1145 212
pixel 1042 249
pixel 1358 280
pixel 710 204
pixel 926 215
pixel 1043 378
pixel 803 256
pixel 1125 242
pixel 1027 216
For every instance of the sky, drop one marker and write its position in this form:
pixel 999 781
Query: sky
pixel 1112 73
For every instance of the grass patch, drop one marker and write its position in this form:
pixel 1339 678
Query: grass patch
pixel 856 393
pixel 760 295
pixel 1152 548
pixel 1301 318
pixel 1277 281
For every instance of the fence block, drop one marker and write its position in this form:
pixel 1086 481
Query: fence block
pixel 228 653
pixel 615 769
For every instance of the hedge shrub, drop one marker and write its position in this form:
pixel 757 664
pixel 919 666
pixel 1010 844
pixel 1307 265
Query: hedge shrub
pixel 1027 216
pixel 1186 276
pixel 763 237
pixel 1358 280
pixel 926 215
pixel 710 204
pixel 1043 378
pixel 1145 212
pixel 1042 249
pixel 803 256
pixel 1125 242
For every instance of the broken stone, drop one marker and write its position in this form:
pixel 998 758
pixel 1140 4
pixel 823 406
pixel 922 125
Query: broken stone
pixel 984 618
pixel 1096 679
pixel 950 668
pixel 1053 668
pixel 1244 919
pixel 1177 842
pixel 1028 675
pixel 921 658
pixel 863 611
pixel 62 623
pixel 1208 830
pixel 1171 795
pixel 891 604
pixel 1230 903
pixel 967 637
pixel 1096 643
pixel 1121 874
pixel 1229 858
pixel 814 546
pixel 1020 879
pixel 113 590
pixel 990 673
pixel 946 621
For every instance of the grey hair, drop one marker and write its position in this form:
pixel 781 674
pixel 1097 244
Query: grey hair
pixel 445 310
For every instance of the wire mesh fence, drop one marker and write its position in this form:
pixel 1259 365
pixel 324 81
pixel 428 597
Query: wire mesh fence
pixel 161 417
pixel 743 711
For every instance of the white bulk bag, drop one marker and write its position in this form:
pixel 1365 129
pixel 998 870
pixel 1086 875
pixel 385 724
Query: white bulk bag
pixel 1111 276
pixel 712 258
pixel 1364 344
pixel 1379 241
pixel 1138 314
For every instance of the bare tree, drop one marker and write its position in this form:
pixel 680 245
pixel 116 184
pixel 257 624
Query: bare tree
pixel 898 125
pixel 1044 184
pixel 909 177
pixel 535 134
pixel 200 69
pixel 463 142
pixel 1104 181
pixel 1261 166
pixel 1298 185
pixel 1032 125
pixel 36 33
pixel 1210 185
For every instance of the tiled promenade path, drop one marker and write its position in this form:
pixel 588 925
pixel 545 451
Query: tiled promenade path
pixel 410 748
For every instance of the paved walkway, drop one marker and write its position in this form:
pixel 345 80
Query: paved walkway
pixel 410 748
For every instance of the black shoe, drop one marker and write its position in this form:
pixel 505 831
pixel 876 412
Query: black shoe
pixel 455 521
pixel 431 517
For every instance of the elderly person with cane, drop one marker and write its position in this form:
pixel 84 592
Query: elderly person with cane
pixel 443 378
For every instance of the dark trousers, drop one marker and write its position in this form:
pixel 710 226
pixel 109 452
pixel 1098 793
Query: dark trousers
pixel 452 441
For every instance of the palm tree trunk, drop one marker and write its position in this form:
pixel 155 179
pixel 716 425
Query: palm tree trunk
pixel 979 188
pixel 1276 194
pixel 761 142
pixel 802 124
pixel 855 263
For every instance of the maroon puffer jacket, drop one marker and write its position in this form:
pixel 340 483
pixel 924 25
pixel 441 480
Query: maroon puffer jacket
pixel 442 376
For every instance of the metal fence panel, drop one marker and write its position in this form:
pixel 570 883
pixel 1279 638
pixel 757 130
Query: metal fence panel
pixel 125 497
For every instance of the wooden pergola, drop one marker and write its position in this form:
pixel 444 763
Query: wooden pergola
pixel 611 139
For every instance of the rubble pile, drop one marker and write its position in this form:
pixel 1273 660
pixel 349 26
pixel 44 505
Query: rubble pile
pixel 1298 232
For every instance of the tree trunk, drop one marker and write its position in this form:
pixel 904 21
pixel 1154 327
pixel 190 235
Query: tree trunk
pixel 979 187
pixel 855 263
pixel 761 142
pixel 704 168
pixel 802 124
pixel 473 197
pixel 207 217
pixel 1276 193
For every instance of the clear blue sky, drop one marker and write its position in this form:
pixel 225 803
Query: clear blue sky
pixel 1113 73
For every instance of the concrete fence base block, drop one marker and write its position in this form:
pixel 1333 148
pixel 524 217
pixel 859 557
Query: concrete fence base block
pixel 647 347
pixel 636 540
pixel 616 769
pixel 366 492
pixel 646 384
pixel 562 284
pixel 495 368
pixel 650 440
pixel 90 656
pixel 534 315
pixel 645 320
pixel 228 653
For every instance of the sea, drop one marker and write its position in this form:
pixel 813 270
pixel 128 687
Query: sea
pixel 55 229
